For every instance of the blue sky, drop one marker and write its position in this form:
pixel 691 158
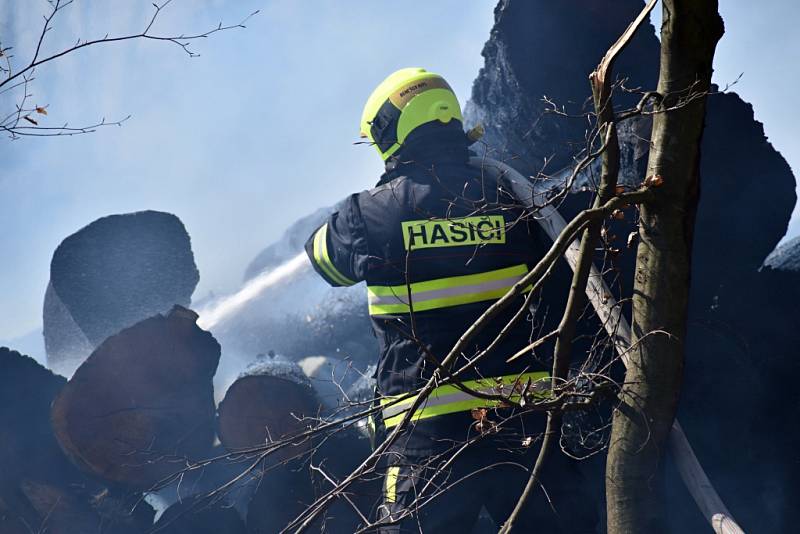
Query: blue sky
pixel 259 130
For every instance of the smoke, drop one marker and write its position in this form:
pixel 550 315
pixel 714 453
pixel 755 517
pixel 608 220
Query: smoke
pixel 220 310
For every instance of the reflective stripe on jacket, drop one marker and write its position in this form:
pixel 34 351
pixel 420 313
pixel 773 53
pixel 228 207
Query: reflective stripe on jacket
pixel 451 398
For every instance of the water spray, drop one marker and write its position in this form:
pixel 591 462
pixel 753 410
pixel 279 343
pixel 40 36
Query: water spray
pixel 220 310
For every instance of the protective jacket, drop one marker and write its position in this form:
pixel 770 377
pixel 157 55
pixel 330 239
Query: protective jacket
pixel 437 243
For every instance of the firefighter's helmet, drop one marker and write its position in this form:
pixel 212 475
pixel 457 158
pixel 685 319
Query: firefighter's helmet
pixel 404 101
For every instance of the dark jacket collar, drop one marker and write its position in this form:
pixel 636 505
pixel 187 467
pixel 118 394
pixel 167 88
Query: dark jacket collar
pixel 428 146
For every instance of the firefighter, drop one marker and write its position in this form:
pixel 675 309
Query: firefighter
pixel 437 243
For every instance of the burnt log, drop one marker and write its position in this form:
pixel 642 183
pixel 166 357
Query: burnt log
pixel 111 274
pixel 272 401
pixel 27 445
pixel 142 405
pixel 261 408
pixel 40 489
pixel 28 448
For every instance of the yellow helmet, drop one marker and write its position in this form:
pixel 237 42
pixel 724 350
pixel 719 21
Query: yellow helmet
pixel 404 101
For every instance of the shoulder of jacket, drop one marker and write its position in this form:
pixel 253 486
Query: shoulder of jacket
pixel 392 185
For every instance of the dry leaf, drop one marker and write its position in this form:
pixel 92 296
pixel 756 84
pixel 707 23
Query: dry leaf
pixel 479 414
pixel 619 189
pixel 653 181
pixel 30 120
pixel 41 110
pixel 482 422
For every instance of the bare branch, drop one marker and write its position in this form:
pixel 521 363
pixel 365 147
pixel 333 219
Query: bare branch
pixel 20 79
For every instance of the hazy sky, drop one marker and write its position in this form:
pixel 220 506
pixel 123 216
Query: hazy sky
pixel 259 130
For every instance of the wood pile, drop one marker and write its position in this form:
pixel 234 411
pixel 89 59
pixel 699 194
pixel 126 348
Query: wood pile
pixel 79 456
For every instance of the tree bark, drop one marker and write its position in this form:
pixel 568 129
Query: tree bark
pixel 648 400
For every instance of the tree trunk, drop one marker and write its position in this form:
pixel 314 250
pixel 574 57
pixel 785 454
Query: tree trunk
pixel 648 401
